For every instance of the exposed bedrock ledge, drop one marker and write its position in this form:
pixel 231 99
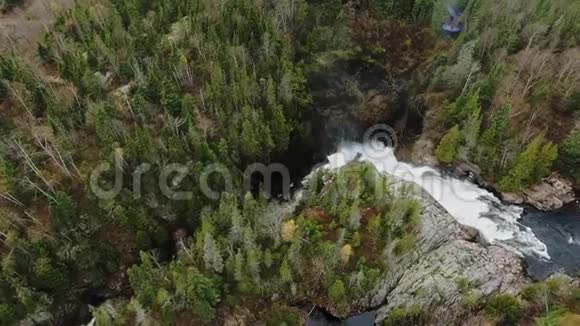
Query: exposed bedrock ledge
pixel 428 275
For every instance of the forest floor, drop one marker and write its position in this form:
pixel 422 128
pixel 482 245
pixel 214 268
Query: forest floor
pixel 22 27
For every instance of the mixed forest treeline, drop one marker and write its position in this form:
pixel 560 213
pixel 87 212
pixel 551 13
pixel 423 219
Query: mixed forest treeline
pixel 200 82
pixel 512 83
pixel 332 253
pixel 192 82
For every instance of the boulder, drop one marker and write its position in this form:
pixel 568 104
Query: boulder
pixel 552 193
pixel 513 198
pixel 468 170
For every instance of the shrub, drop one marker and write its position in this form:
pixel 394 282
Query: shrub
pixel 535 292
pixel 569 319
pixel 403 316
pixel 569 162
pixel 405 245
pixel 504 308
pixel 470 301
pixel 551 318
pixel 462 284
pixel 337 293
pixel 282 315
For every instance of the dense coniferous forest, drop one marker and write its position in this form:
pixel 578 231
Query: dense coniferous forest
pixel 229 83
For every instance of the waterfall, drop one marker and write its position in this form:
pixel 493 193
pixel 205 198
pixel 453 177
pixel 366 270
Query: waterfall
pixel 466 202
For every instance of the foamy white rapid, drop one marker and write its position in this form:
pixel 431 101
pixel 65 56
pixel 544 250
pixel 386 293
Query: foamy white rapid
pixel 469 204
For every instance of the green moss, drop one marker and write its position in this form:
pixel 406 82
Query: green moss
pixel 405 244
pixel 462 284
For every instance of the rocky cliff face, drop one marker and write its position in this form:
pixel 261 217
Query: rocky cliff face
pixel 446 256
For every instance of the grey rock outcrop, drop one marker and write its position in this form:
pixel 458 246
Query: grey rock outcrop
pixel 422 152
pixel 445 252
pixel 552 193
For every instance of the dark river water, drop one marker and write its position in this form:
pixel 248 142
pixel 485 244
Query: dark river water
pixel 321 318
pixel 560 231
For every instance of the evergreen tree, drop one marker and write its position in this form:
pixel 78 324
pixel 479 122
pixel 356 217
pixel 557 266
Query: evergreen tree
pixel 569 161
pixel 285 271
pixel 464 107
pixel 447 150
pixel 211 254
pixel 280 127
pixel 268 259
pixel 63 210
pixel 252 135
pixel 337 293
pixel 548 154
pixel 193 290
pixel 236 228
pixel 354 217
pixel 144 280
pixel 253 263
pixel 239 265
pixel 470 133
pixel 47 275
pixel 531 164
pixel 492 139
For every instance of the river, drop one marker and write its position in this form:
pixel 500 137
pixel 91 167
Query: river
pixel 469 204
pixel 547 241
pixel 560 231
pixel 321 318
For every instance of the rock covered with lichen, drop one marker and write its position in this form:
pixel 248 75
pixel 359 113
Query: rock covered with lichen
pixel 446 273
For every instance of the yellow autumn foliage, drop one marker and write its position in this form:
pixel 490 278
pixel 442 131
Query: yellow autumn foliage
pixel 345 253
pixel 289 230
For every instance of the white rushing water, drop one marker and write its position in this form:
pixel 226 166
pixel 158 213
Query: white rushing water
pixel 465 201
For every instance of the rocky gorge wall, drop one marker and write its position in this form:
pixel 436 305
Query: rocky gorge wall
pixel 446 254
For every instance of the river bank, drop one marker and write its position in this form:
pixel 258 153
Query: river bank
pixel 557 231
pixel 459 238
pixel 558 228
